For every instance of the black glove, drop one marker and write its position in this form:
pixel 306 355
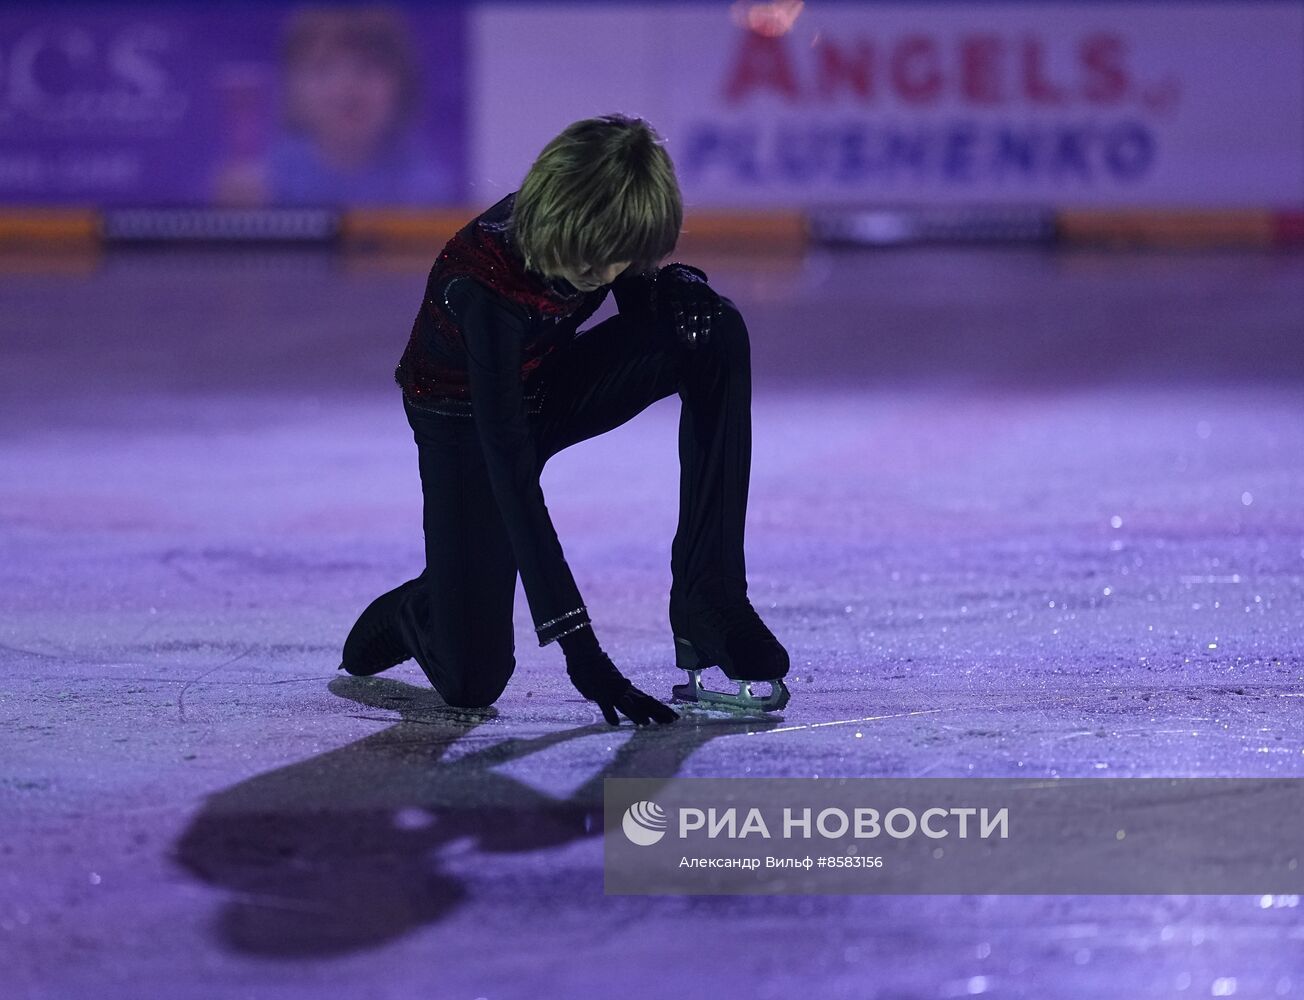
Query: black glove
pixel 682 298
pixel 597 678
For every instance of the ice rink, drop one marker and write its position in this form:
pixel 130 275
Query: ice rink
pixel 1014 512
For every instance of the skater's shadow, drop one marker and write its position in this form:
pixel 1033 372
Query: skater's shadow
pixel 347 850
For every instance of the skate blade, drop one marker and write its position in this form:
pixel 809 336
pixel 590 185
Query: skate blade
pixel 743 700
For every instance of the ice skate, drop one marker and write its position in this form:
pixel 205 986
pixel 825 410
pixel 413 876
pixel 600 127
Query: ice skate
pixel 734 638
pixel 373 644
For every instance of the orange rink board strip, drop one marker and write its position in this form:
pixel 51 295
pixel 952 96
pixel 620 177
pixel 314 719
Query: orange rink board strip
pixel 49 226
pixel 1169 228
pixel 384 228
pixel 776 232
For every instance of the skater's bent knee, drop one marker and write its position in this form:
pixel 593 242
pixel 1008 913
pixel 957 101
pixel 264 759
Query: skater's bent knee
pixel 480 690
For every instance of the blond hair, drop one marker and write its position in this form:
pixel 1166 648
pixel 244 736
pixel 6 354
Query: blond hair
pixel 602 191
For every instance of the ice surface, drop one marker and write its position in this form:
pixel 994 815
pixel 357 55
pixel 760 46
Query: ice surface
pixel 986 562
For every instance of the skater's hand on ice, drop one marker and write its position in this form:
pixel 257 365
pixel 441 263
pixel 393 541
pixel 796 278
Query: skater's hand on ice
pixel 683 297
pixel 597 678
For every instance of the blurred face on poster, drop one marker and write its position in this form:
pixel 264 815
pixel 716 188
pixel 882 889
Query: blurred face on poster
pixel 350 81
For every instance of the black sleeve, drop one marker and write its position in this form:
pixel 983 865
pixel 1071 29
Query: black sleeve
pixel 495 332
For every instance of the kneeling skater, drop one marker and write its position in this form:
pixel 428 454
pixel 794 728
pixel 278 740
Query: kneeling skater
pixel 497 378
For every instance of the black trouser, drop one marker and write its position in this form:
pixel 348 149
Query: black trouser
pixel 456 618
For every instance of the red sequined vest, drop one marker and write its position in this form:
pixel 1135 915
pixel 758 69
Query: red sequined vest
pixel 433 367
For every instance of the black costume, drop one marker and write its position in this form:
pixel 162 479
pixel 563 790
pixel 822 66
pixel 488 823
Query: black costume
pixel 496 379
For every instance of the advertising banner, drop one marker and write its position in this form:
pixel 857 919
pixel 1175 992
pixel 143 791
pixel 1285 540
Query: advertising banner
pixel 250 105
pixel 784 103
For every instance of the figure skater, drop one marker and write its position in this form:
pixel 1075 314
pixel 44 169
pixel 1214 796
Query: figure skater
pixel 497 378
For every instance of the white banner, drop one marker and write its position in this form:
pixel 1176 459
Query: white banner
pixel 1157 104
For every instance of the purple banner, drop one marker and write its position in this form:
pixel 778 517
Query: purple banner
pixel 244 105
